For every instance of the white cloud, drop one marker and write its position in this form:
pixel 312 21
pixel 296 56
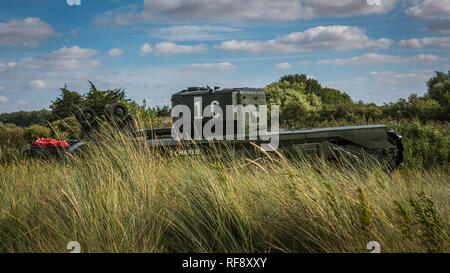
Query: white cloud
pixel 29 32
pixel 441 25
pixel 4 66
pixel 74 52
pixel 167 48
pixel 211 66
pixel 194 32
pixel 38 84
pixel 239 11
pixel 3 99
pixel 348 8
pixel 285 65
pixel 360 79
pixel 115 52
pixel 145 49
pixel 375 73
pixel 379 59
pixel 304 62
pixel 425 58
pixel 73 2
pixel 317 38
pixel 66 58
pixel 388 77
pixel 429 9
pixel 426 41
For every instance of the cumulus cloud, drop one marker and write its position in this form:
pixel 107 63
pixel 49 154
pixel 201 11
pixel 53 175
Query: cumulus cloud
pixel 115 52
pixel 73 2
pixel 425 58
pixel 377 73
pixel 426 41
pixel 38 84
pixel 29 32
pixel 5 66
pixel 249 10
pixel 74 52
pixel 66 58
pixel 359 79
pixel 441 25
pixel 389 77
pixel 145 49
pixel 284 65
pixel 317 38
pixel 429 9
pixel 3 99
pixel 366 59
pixel 194 32
pixel 167 48
pixel 211 66
pixel 304 62
pixel 379 59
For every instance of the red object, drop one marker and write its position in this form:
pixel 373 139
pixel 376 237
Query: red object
pixel 49 143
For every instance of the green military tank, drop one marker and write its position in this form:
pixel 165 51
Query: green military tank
pixel 203 117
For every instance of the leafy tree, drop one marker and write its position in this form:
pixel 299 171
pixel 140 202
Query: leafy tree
pixel 14 135
pixel 26 118
pixel 67 128
pixel 36 131
pixel 99 100
pixel 296 105
pixel 303 101
pixel 312 86
pixel 439 90
pixel 423 108
pixel 71 101
pixel 3 135
pixel 333 96
pixel 67 104
pixel 163 111
pixel 439 87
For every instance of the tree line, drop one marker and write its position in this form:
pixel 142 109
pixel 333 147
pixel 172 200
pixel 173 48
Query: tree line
pixel 304 102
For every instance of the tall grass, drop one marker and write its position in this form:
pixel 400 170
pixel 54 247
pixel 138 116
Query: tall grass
pixel 127 197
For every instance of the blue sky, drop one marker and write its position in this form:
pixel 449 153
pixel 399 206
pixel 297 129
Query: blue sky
pixel 375 50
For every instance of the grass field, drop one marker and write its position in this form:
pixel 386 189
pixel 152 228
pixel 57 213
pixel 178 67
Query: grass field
pixel 126 198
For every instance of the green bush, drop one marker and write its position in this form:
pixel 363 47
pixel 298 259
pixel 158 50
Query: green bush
pixel 36 131
pixel 426 145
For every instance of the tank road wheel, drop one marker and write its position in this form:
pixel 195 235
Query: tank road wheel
pixel 86 117
pixel 397 157
pixel 117 112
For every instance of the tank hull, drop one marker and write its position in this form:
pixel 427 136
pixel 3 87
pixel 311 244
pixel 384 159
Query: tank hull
pixel 354 143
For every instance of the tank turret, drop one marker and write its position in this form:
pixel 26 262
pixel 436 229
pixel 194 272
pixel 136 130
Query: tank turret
pixel 197 99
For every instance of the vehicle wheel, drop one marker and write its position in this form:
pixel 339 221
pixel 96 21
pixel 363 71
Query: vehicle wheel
pixel 117 112
pixel 86 117
pixel 396 140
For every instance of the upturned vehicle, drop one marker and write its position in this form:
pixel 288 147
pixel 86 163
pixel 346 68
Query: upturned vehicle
pixel 205 109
